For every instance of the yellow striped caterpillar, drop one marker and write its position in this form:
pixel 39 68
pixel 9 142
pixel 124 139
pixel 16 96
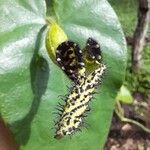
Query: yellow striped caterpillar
pixel 70 59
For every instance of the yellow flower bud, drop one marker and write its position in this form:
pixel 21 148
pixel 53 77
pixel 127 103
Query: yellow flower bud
pixel 55 36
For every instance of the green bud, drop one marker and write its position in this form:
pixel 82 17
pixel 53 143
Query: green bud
pixel 55 36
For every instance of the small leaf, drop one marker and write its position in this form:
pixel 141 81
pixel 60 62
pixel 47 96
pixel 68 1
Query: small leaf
pixel 124 95
pixel 54 37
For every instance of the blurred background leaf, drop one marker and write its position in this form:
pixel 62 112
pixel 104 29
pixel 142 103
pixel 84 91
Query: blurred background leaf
pixel 124 95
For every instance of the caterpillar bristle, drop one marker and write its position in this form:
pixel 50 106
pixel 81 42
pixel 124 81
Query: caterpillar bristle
pixel 52 128
pixel 58 136
pixel 68 88
pixel 60 105
pixel 61 97
pixel 59 109
pixel 55 122
pixel 58 115
pixel 84 115
pixel 78 130
pixel 94 93
pixel 86 125
pixel 54 113
pixel 88 109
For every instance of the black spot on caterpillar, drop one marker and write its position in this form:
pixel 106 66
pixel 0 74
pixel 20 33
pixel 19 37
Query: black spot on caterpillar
pixel 72 113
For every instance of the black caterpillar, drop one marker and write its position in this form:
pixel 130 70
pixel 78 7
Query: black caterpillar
pixel 70 58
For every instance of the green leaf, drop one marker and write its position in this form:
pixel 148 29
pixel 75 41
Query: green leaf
pixel 124 95
pixel 30 83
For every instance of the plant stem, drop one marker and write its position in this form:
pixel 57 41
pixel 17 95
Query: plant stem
pixel 119 111
pixel 49 20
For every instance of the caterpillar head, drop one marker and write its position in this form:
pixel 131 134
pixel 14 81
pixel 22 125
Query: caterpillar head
pixel 93 50
pixel 69 58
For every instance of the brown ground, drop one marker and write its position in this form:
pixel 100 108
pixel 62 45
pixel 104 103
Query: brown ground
pixel 124 136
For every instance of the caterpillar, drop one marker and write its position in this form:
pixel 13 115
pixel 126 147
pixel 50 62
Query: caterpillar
pixel 70 58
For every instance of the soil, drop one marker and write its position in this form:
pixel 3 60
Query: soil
pixel 124 136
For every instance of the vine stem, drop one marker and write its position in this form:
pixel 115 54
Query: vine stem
pixel 120 113
pixel 50 20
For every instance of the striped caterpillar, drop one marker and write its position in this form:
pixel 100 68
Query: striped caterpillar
pixel 70 58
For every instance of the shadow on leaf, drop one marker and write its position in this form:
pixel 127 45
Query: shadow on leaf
pixel 39 72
